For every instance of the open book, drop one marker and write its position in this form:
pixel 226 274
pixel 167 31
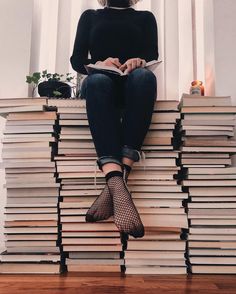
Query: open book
pixel 151 65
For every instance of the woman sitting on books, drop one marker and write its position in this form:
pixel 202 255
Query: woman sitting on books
pixel 119 108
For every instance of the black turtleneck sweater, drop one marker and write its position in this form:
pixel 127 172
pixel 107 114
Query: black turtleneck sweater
pixel 118 33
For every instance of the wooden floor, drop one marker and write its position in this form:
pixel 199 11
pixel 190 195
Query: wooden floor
pixel 77 284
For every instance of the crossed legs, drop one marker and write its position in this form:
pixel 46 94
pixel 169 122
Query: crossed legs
pixel 118 139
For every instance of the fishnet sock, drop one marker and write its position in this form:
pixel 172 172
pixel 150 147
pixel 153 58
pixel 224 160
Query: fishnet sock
pixel 102 207
pixel 126 216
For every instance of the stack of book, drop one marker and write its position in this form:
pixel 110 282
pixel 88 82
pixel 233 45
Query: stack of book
pixel 88 247
pixel 159 199
pixel 31 213
pixel 207 130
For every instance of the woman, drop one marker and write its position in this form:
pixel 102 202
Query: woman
pixel 119 108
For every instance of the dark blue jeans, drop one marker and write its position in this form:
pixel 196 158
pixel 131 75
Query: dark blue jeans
pixel 119 110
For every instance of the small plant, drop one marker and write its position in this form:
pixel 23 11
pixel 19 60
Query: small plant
pixel 45 76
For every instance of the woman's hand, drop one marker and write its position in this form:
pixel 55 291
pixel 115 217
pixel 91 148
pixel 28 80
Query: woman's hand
pixel 110 61
pixel 132 63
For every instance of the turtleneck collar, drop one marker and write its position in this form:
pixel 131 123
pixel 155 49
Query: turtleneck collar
pixel 120 4
pixel 118 8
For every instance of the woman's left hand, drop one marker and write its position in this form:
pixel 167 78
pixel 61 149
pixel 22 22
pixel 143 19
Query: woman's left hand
pixel 132 63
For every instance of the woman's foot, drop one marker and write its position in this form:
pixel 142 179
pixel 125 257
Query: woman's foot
pixel 102 208
pixel 126 216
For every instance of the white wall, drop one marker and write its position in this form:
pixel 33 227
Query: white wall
pixel 225 47
pixel 225 50
pixel 15 36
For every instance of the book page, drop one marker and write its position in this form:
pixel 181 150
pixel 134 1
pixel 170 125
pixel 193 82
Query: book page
pixel 151 65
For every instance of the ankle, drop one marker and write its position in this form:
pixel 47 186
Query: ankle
pixel 108 167
pixel 126 171
pixel 113 173
pixel 127 168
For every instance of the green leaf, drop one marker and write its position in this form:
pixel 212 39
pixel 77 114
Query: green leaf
pixel 56 76
pixel 35 80
pixel 57 93
pixel 37 75
pixel 29 79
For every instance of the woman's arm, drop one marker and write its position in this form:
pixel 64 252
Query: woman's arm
pixel 151 38
pixel 81 45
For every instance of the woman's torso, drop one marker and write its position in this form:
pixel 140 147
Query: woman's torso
pixel 117 33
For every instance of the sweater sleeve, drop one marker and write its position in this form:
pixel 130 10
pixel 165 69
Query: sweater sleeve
pixel 81 45
pixel 151 38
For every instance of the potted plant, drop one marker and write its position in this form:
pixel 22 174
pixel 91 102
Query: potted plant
pixel 52 85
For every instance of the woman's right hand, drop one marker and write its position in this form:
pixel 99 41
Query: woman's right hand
pixel 110 61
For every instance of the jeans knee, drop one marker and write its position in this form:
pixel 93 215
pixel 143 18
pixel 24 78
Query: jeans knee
pixel 143 74
pixel 99 80
pixel 144 82
pixel 96 84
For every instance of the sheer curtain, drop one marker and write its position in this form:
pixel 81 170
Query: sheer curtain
pixel 185 29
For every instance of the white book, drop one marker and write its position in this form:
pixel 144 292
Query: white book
pixel 151 65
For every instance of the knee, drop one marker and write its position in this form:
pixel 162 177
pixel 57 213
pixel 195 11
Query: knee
pixel 97 87
pixel 99 81
pixel 144 82
pixel 143 75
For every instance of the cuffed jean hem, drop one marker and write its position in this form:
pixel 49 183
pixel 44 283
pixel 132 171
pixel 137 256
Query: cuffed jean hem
pixel 108 159
pixel 130 153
